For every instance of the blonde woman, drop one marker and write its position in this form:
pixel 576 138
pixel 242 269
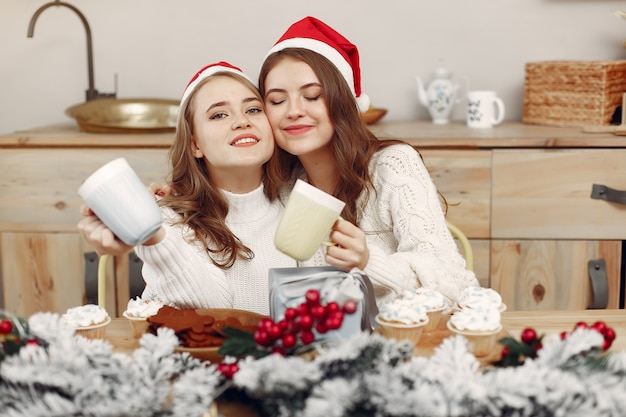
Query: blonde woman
pixel 216 245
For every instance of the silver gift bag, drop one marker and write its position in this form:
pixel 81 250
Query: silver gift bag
pixel 288 286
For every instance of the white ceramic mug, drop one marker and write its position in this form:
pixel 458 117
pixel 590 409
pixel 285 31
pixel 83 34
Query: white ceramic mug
pixel 308 218
pixel 115 193
pixel 484 109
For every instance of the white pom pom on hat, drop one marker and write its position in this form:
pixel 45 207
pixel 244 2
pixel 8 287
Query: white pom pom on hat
pixel 315 35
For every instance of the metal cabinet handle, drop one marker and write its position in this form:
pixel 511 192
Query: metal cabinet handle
pixel 91 277
pixel 602 192
pixel 599 283
pixel 93 290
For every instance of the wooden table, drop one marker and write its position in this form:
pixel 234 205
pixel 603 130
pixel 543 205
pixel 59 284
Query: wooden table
pixel 513 322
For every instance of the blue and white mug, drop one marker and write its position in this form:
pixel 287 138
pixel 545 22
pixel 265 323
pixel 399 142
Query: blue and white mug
pixel 484 109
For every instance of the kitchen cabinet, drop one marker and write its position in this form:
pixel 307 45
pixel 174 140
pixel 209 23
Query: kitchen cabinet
pixel 43 259
pixel 521 193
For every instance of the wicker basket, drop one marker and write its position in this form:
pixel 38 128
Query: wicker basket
pixel 573 93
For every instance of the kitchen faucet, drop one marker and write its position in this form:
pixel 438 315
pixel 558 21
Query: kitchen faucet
pixel 91 93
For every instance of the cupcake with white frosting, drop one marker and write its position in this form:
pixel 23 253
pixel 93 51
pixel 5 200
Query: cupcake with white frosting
pixel 480 326
pixel 402 319
pixel 476 296
pixel 89 320
pixel 434 302
pixel 138 310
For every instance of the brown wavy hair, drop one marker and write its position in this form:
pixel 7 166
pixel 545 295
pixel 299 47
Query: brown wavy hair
pixel 353 144
pixel 196 199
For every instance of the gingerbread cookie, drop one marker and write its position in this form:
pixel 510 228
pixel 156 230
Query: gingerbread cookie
pixel 193 329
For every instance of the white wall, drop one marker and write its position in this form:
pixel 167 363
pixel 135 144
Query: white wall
pixel 155 46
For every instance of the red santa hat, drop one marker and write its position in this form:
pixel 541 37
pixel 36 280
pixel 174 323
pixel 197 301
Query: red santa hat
pixel 206 72
pixel 315 35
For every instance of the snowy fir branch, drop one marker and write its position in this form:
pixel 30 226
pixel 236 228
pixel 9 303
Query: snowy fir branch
pixel 67 375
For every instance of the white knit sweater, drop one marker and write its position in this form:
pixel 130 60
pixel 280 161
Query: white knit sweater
pixel 184 277
pixel 407 235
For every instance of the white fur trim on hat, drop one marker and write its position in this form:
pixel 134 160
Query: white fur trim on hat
pixel 330 53
pixel 323 49
pixel 202 75
pixel 206 74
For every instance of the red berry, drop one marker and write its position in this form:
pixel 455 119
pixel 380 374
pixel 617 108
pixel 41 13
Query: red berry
pixel 291 313
pixel 580 325
pixel 232 369
pixel 332 306
pixel 274 332
pixel 609 334
pixel 265 323
pixel 529 335
pixel 606 344
pixel 228 369
pixel 307 337
pixel 283 325
pixel 538 346
pixel 332 323
pixel 279 350
pixel 6 327
pixel 564 335
pixel 33 342
pixel 599 326
pixel 292 327
pixel 321 327
pixel 349 307
pixel 505 352
pixel 334 320
pixel 318 311
pixel 289 341
pixel 312 297
pixel 261 338
pixel 336 315
pixel 305 322
pixel 303 309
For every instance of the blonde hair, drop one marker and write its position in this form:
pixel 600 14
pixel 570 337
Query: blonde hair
pixel 196 199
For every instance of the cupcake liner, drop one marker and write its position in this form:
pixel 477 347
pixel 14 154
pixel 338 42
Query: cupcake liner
pixel 138 325
pixel 399 331
pixel 95 331
pixel 434 318
pixel 481 343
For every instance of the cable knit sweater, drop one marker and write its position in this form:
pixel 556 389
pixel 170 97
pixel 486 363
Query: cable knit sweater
pixel 407 235
pixel 183 275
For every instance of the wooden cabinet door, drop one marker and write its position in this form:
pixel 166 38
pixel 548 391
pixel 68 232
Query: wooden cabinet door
pixel 45 272
pixel 552 274
pixel 463 177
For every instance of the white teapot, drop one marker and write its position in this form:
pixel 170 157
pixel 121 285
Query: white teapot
pixel 441 95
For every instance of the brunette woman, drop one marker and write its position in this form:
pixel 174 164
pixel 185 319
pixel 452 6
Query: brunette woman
pixel 393 226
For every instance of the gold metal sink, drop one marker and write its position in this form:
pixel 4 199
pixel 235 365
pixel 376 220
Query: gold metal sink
pixel 130 115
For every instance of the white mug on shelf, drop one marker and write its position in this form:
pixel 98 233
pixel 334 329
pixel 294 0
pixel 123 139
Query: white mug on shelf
pixel 484 109
pixel 123 203
pixel 308 219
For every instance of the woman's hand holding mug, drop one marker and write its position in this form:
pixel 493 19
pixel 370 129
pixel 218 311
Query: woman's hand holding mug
pixel 350 250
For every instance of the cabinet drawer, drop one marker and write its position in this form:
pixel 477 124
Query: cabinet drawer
pixel 463 177
pixel 40 186
pixel 545 194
